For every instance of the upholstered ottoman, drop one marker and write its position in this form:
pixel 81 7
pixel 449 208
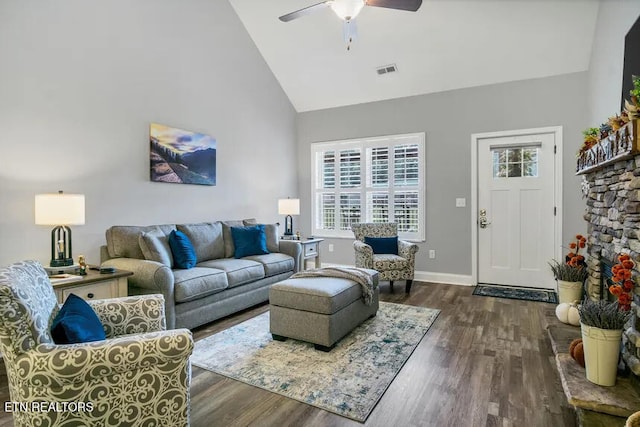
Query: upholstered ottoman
pixel 319 310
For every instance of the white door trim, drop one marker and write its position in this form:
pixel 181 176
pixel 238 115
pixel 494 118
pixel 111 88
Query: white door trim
pixel 557 132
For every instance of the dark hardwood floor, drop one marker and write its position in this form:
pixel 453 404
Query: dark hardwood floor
pixel 485 362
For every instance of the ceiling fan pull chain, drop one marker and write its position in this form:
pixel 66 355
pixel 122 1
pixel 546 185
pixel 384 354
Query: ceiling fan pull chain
pixel 350 32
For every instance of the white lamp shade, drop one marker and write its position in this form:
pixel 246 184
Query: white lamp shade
pixel 59 209
pixel 289 206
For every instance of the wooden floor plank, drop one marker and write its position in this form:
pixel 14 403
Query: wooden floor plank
pixel 485 362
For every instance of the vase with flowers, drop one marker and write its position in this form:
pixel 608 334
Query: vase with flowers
pixel 571 274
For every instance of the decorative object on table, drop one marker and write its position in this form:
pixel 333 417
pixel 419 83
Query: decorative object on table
pixel 182 157
pixel 341 381
pixel 525 294
pixel 568 313
pixel 288 207
pixel 623 281
pixel 576 351
pixel 601 323
pixel 82 269
pixel 571 274
pixel 61 210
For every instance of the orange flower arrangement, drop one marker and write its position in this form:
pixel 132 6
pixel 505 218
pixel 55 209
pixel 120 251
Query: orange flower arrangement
pixel 623 281
pixel 573 258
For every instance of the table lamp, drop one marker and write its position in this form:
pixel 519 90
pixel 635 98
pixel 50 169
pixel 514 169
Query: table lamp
pixel 288 207
pixel 60 210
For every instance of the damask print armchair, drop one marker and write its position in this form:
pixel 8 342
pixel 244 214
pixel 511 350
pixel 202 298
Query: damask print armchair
pixel 140 375
pixel 390 267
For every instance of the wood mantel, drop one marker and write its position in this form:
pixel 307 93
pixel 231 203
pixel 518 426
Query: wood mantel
pixel 619 145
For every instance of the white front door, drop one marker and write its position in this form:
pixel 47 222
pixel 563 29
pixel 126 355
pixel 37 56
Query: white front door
pixel 516 212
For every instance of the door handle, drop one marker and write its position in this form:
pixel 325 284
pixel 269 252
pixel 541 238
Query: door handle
pixel 482 221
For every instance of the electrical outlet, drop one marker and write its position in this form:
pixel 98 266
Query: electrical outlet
pixel 432 254
pixel 461 202
pixel 330 247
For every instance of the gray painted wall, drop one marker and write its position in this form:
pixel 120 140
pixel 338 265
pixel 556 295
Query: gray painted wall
pixel 449 119
pixel 81 81
pixel 607 58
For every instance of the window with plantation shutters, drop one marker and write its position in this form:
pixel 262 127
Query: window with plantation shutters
pixel 368 180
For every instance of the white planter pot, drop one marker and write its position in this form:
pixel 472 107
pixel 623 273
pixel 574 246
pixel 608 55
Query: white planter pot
pixel 569 291
pixel 601 353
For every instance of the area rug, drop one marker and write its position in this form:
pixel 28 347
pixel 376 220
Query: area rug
pixel 498 291
pixel 349 380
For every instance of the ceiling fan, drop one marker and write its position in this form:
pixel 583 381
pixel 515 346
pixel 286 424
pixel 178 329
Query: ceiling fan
pixel 347 10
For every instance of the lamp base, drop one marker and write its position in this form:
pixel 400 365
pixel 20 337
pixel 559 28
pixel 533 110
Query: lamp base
pixel 64 262
pixel 288 225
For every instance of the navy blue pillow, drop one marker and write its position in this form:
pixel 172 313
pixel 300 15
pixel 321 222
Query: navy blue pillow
pixel 250 240
pixel 383 245
pixel 184 255
pixel 76 322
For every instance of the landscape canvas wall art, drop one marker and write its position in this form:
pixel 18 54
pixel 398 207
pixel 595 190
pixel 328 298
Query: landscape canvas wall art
pixel 182 157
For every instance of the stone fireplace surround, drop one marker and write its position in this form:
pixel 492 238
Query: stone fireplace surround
pixel 613 218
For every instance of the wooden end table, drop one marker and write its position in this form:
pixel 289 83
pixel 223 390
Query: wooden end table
pixel 94 285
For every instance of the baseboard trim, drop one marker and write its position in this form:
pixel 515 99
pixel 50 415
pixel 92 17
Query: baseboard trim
pixel 428 276
pixel 446 278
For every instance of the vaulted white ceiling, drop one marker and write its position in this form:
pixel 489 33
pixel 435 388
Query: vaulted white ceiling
pixel 447 44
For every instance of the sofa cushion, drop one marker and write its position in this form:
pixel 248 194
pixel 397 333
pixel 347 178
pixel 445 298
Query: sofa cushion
pixel 249 240
pixel 274 263
pixel 184 256
pixel 197 283
pixel 239 271
pixel 155 247
pixel 122 240
pixel 271 231
pixel 206 239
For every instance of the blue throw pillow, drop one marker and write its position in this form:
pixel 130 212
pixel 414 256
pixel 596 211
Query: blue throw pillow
pixel 383 245
pixel 76 322
pixel 249 240
pixel 184 255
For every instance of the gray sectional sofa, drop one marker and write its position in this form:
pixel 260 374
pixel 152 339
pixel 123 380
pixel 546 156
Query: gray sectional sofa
pixel 217 286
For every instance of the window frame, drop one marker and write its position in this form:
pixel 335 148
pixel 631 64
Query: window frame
pixel 364 144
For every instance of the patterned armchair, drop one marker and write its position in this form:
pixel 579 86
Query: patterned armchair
pixel 391 267
pixel 139 375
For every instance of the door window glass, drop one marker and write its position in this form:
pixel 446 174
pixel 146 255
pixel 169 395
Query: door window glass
pixel 515 162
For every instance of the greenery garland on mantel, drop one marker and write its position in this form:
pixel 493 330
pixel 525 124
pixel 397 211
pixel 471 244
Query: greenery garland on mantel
pixel 619 145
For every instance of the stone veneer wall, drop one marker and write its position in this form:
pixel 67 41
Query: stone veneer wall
pixel 613 217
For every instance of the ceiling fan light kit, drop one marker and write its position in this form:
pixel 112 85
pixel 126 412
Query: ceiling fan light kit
pixel 347 10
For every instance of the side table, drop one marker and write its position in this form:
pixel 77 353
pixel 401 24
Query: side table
pixel 310 250
pixel 94 285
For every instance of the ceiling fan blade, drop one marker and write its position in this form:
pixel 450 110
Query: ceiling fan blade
pixel 302 12
pixel 410 5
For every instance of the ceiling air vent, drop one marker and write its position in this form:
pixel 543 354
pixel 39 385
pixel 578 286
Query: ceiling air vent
pixel 387 69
